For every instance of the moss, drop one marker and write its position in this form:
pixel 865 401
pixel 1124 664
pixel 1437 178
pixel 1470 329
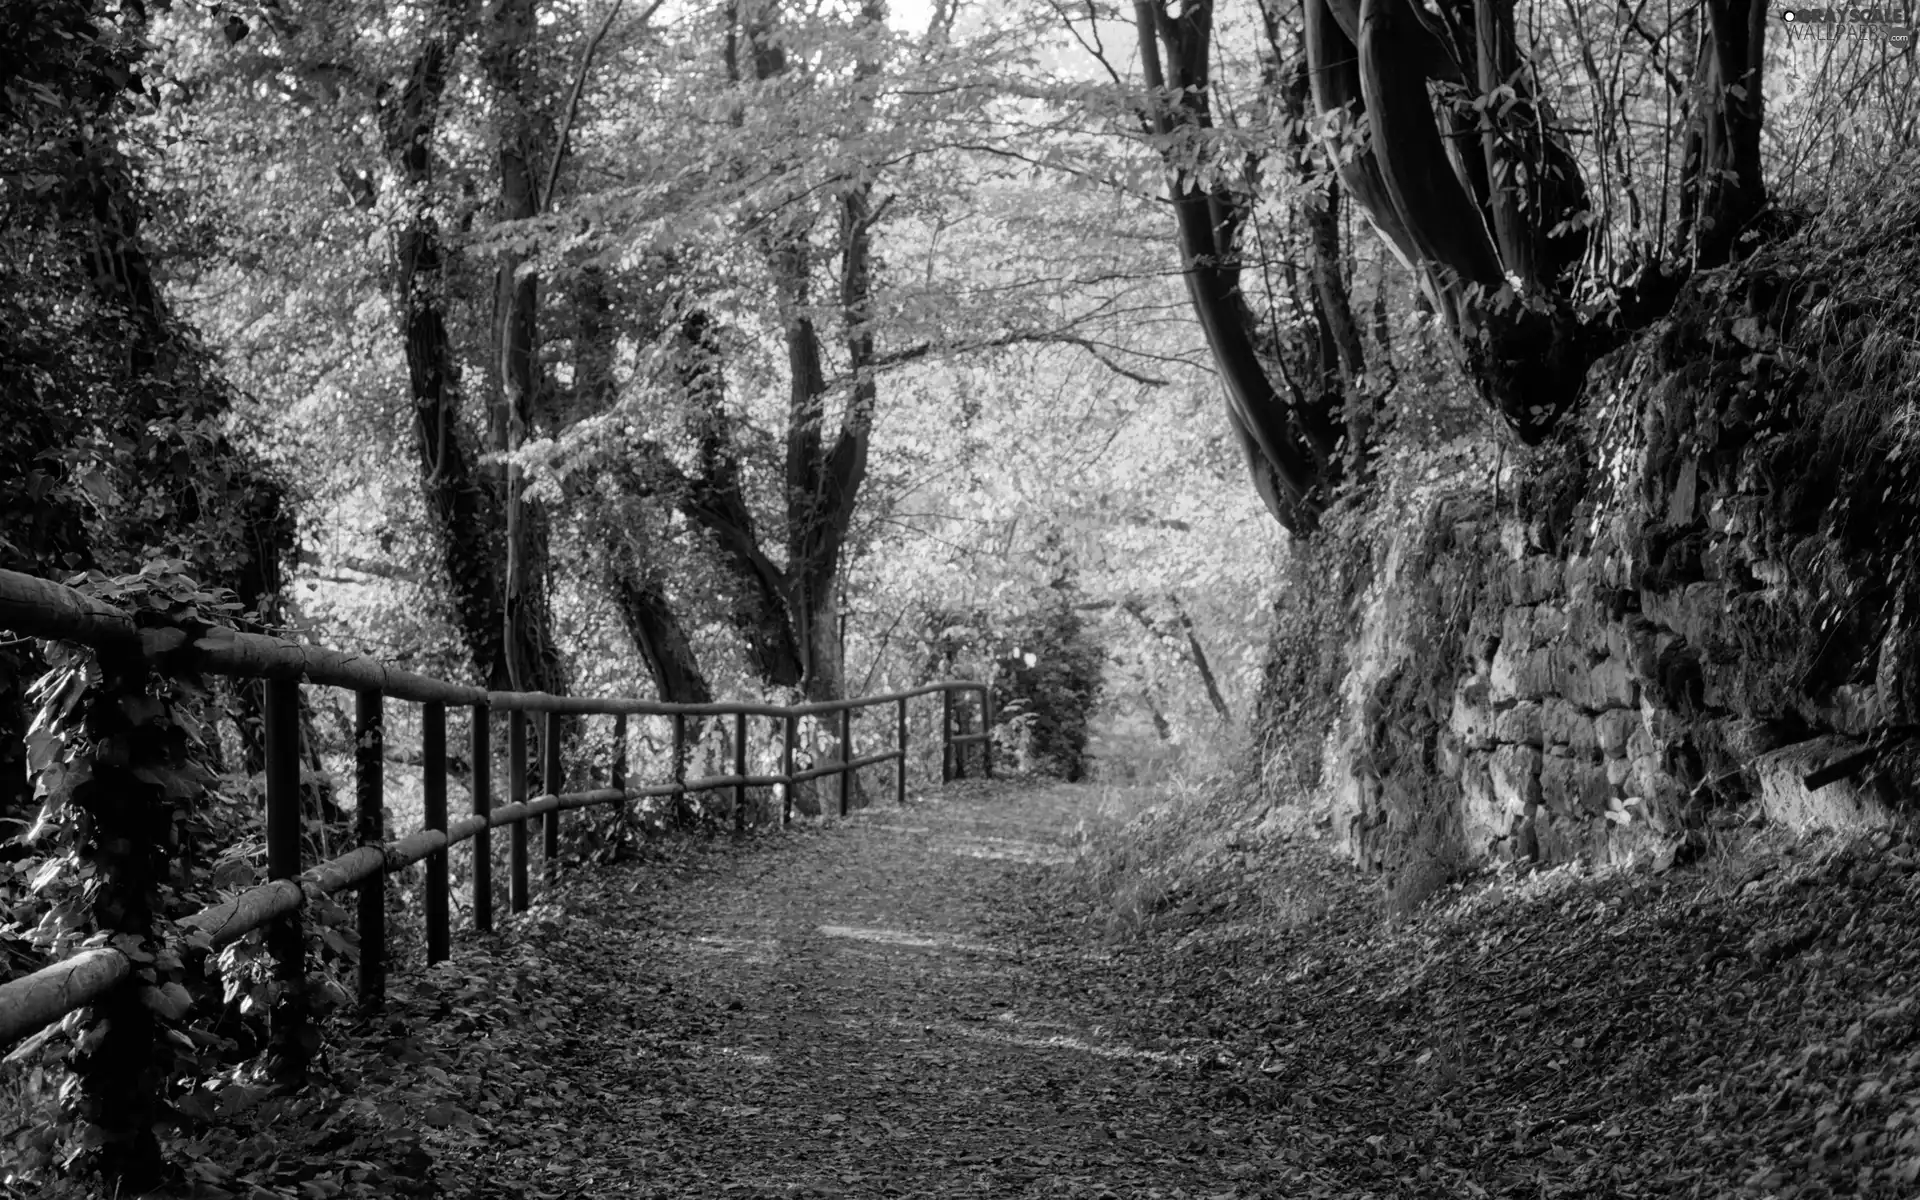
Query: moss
pixel 1316 621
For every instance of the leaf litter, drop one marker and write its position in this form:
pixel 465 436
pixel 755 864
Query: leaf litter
pixel 868 1008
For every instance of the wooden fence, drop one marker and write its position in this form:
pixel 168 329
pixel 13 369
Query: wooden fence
pixel 43 609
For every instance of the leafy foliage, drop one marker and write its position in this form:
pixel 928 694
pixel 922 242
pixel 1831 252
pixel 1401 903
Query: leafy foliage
pixel 1049 678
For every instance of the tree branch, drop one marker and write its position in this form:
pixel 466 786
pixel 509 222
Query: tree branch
pixel 573 96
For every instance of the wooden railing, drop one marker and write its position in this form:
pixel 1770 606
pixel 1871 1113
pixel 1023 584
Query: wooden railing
pixel 42 609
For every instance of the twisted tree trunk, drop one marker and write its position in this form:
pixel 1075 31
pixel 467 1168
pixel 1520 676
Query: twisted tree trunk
pixel 464 509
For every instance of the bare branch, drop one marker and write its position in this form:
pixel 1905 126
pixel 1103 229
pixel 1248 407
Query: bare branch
pixel 573 96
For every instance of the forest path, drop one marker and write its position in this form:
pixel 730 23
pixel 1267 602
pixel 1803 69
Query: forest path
pixel 880 1006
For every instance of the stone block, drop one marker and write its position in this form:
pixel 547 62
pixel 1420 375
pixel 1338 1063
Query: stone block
pixel 1513 538
pixel 1854 709
pixel 1613 728
pixel 1579 578
pixel 1597 789
pixel 1515 774
pixel 1557 839
pixel 1519 724
pixel 1686 490
pixel 1588 626
pixel 1662 608
pixel 1473 720
pixel 1563 724
pixel 1610 685
pixel 1516 628
pixel 1536 578
pixel 1520 675
pixel 1640 743
pixel 1574 787
pixel 1549 622
pixel 1788 801
pixel 1746 740
pixel 1702 611
pixel 1484 819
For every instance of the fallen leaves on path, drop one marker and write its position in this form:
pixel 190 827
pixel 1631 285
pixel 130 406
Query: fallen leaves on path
pixel 921 1002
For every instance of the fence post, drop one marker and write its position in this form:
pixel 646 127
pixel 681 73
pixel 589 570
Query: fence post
pixel 288 1024
pixel 946 736
pixel 433 748
pixel 900 772
pixel 618 775
pixel 369 786
pixel 788 738
pixel 121 1059
pixel 517 887
pixel 680 763
pixel 959 748
pixel 740 772
pixel 482 806
pixel 846 758
pixel 551 783
pixel 986 727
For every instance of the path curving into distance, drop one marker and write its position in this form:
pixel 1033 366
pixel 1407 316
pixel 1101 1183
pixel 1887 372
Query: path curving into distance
pixel 874 1007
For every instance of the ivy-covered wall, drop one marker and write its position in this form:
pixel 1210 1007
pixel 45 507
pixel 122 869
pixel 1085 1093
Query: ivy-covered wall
pixel 1665 623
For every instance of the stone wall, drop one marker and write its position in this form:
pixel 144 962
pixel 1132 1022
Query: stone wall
pixel 1667 624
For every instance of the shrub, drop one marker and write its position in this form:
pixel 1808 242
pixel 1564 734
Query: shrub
pixel 1049 678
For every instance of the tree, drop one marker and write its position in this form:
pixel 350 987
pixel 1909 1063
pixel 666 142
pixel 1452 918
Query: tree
pixel 1300 440
pixel 118 420
pixel 1494 216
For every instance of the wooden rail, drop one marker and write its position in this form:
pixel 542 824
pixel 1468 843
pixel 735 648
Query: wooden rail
pixel 43 609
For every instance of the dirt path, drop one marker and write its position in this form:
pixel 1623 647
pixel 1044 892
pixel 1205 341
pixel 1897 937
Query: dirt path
pixel 864 1009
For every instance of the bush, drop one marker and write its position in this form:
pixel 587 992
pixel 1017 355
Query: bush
pixel 1049 679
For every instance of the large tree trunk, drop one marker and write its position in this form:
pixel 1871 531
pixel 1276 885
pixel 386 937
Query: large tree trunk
pixel 656 631
pixel 463 508
pixel 1722 188
pixel 532 660
pixel 645 611
pixel 1491 228
pixel 1292 444
pixel 713 497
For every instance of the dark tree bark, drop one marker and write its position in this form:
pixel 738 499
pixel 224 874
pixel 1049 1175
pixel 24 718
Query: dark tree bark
pixel 1490 234
pixel 1292 443
pixel 645 611
pixel 532 660
pixel 464 509
pixel 1722 190
pixel 656 632
pixel 823 474
pixel 713 497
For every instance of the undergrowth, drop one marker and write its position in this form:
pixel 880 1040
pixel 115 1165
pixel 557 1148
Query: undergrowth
pixel 1744 1026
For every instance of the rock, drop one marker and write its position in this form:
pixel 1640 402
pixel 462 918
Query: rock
pixel 1472 719
pixel 1703 610
pixel 1574 788
pixel 1853 709
pixel 1613 728
pixel 1597 686
pixel 1561 724
pixel 1519 724
pixel 1747 739
pixel 1513 538
pixel 1549 622
pixel 1515 774
pixel 1520 675
pixel 1787 800
pixel 1587 628
pixel 1685 489
pixel 1578 576
pixel 1483 817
